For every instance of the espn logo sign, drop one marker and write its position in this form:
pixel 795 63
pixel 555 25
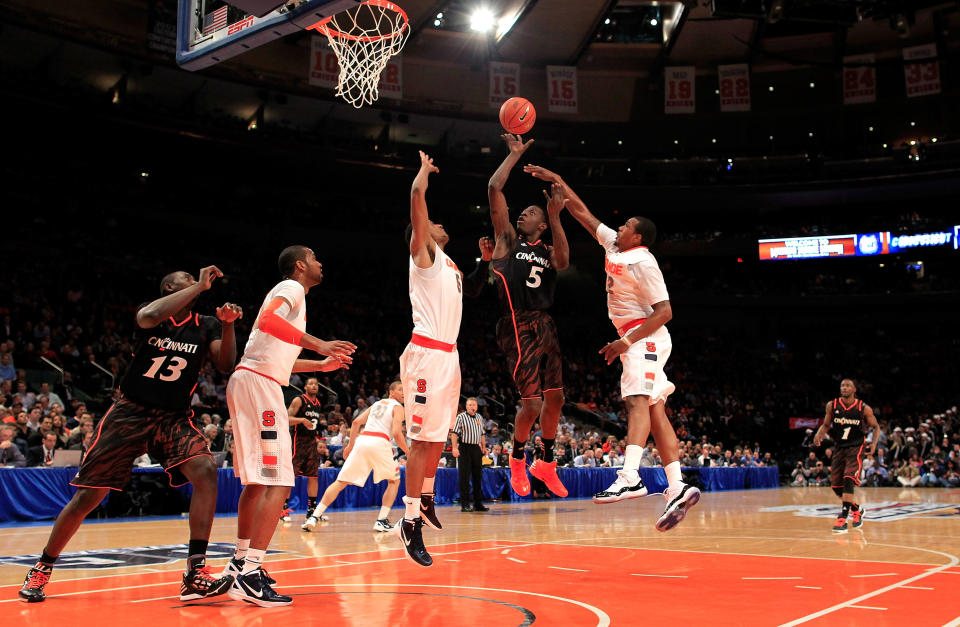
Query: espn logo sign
pixel 239 26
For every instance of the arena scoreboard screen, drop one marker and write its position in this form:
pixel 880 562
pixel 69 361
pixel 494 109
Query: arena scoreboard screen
pixel 855 244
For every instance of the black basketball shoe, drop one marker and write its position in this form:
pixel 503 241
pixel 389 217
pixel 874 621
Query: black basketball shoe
pixel 628 485
pixel 235 567
pixel 199 583
pixel 411 534
pixel 679 503
pixel 253 588
pixel 428 511
pixel 32 589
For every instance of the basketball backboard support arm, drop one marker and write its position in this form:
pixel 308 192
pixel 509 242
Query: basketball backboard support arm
pixel 196 50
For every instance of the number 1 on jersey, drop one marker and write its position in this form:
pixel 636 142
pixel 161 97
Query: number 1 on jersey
pixel 174 368
pixel 846 433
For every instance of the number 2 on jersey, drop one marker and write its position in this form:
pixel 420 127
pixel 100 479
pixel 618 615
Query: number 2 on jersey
pixel 534 279
pixel 174 368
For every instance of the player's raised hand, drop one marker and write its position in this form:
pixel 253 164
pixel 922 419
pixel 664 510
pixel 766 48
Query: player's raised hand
pixel 515 143
pixel 229 313
pixel 339 348
pixel 207 276
pixel 335 362
pixel 613 350
pixel 486 248
pixel 426 163
pixel 556 199
pixel 541 173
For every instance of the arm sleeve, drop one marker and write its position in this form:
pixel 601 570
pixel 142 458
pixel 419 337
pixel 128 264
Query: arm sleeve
pixel 650 281
pixel 473 283
pixel 272 322
pixel 607 237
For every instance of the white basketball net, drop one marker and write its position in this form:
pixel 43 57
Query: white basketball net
pixel 364 39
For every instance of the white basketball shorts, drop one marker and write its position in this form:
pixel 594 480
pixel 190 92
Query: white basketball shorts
pixel 431 391
pixel 263 451
pixel 643 365
pixel 370 453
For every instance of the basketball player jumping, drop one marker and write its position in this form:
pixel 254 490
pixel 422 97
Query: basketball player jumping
pixel 639 308
pixel 370 451
pixel 843 423
pixel 153 416
pixel 430 364
pixel 304 414
pixel 527 272
pixel 263 452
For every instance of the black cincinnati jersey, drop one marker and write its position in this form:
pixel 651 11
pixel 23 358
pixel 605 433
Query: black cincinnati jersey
pixel 166 365
pixel 526 280
pixel 311 411
pixel 846 428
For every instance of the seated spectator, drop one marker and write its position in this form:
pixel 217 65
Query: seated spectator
pixel 51 396
pixel 85 427
pixel 45 427
pixel 210 433
pixel 799 476
pixel 43 455
pixel 10 454
pixel 84 444
pixel 324 452
pixel 7 370
pixel 908 475
pixel 818 476
pixel 58 427
pixel 586 460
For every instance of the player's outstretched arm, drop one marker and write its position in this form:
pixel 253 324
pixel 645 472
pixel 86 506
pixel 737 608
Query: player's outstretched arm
pixel 335 362
pixel 575 205
pixel 224 351
pixel 560 252
pixel 473 283
pixel 872 421
pixel 662 314
pixel 154 313
pixel 397 430
pixel 420 240
pixel 294 407
pixel 273 323
pixel 499 214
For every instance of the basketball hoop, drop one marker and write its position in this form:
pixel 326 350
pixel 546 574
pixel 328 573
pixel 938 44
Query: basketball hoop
pixel 364 39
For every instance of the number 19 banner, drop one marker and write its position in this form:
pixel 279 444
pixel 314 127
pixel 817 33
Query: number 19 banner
pixel 561 89
pixel 679 95
pixel 734 87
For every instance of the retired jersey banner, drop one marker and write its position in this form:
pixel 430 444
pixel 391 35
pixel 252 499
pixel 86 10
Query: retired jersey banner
pixel 324 67
pixel 504 82
pixel 679 95
pixel 561 89
pixel 922 78
pixel 734 87
pixel 859 79
pixel 391 79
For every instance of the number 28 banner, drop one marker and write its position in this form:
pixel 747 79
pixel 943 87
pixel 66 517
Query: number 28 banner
pixel 561 89
pixel 325 70
pixel 679 94
pixel 922 77
pixel 504 82
pixel 734 87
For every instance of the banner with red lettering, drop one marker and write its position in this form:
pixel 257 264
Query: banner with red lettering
pixel 324 68
pixel 859 79
pixel 561 89
pixel 504 82
pixel 805 423
pixel 734 87
pixel 679 95
pixel 922 78
pixel 391 79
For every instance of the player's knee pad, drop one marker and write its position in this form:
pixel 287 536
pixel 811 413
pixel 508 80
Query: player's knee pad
pixel 838 492
pixel 848 485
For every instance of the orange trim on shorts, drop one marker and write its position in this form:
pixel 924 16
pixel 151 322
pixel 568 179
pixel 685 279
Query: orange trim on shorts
pixel 259 373
pixel 170 477
pixel 96 487
pixel 429 342
pixel 377 434
pixel 513 318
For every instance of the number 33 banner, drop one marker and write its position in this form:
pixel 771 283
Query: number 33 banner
pixel 679 89
pixel 561 89
pixel 922 78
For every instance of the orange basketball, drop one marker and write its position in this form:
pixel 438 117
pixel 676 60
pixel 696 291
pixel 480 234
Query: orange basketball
pixel 517 116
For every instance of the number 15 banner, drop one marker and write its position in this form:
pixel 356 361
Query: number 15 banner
pixel 679 95
pixel 504 82
pixel 922 78
pixel 561 89
pixel 734 87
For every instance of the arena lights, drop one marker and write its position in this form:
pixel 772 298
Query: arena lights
pixel 482 20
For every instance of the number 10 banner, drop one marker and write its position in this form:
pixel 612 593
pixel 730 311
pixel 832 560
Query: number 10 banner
pixel 679 94
pixel 504 82
pixel 561 89
pixel 734 87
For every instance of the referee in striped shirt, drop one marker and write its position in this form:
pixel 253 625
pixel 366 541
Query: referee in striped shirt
pixel 468 444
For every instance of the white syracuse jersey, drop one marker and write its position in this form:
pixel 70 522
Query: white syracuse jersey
pixel 436 296
pixel 380 418
pixel 265 354
pixel 634 280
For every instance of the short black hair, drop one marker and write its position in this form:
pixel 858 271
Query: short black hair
pixel 647 229
pixel 408 233
pixel 287 262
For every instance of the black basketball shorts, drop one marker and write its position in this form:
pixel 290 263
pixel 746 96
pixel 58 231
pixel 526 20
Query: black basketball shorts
pixel 847 462
pixel 127 431
pixel 529 340
pixel 306 459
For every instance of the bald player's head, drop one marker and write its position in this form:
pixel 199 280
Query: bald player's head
pixel 175 281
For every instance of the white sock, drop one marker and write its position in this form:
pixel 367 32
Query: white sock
pixel 413 508
pixel 384 512
pixel 631 461
pixel 241 551
pixel 254 560
pixel 318 510
pixel 428 485
pixel 674 478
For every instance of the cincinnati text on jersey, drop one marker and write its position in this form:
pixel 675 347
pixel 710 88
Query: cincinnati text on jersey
pixel 533 257
pixel 166 344
pixel 846 421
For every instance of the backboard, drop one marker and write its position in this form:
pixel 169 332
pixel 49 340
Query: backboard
pixel 211 31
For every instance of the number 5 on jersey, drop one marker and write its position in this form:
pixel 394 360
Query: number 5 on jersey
pixel 171 370
pixel 534 279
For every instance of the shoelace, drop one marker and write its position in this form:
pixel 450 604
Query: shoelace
pixel 38 578
pixel 841 521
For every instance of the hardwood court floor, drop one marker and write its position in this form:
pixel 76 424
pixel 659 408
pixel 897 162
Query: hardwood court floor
pixel 741 558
